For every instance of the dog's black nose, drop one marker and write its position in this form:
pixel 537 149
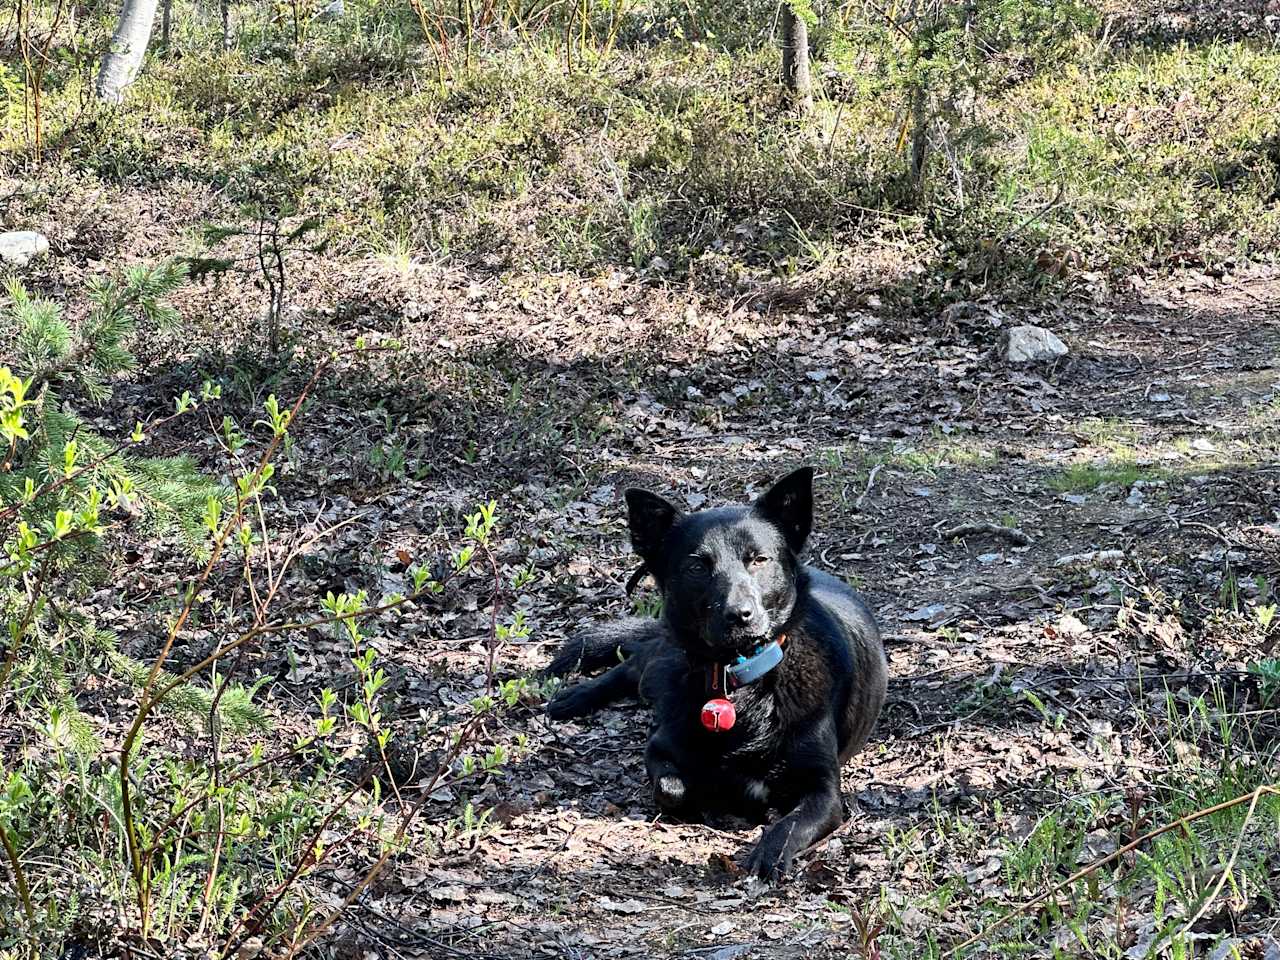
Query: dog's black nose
pixel 742 614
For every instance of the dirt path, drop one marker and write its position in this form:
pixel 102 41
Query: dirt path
pixel 1027 687
pixel 1015 669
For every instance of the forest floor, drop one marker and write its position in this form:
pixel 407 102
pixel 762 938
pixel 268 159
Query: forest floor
pixel 647 273
pixel 1042 709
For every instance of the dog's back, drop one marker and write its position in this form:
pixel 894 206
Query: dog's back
pixel 604 645
pixel 868 669
pixel 624 647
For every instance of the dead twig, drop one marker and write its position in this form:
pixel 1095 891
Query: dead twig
pixel 1012 534
pixel 1217 534
pixel 1094 558
pixel 871 479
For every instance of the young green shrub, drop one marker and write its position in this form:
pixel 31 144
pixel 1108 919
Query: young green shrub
pixel 63 485
pixel 272 232
pixel 54 461
pixel 223 842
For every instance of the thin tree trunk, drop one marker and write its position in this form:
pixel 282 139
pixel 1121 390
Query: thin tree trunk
pixel 919 132
pixel 166 22
pixel 795 58
pixel 226 24
pixel 123 60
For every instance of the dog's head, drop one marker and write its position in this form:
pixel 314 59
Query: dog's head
pixel 728 575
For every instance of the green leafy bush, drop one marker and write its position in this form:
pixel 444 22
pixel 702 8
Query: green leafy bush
pixel 127 832
pixel 56 464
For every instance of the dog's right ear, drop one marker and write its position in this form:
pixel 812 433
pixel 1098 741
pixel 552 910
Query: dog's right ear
pixel 650 518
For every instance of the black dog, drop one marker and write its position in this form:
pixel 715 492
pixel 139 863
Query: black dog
pixel 764 675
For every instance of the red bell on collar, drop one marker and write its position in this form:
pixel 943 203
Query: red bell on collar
pixel 719 715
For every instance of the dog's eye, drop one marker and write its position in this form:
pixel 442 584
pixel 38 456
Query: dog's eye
pixel 697 565
pixel 759 560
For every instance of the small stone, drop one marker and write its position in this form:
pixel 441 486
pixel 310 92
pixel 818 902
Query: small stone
pixel 1030 344
pixel 333 10
pixel 1072 626
pixel 20 247
pixel 925 613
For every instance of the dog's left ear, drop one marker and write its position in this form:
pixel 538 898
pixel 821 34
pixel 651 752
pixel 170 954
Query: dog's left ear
pixel 788 505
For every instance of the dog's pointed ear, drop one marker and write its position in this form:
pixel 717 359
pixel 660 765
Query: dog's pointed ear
pixel 788 505
pixel 650 518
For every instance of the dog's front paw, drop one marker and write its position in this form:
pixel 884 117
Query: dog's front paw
pixel 770 860
pixel 575 701
pixel 670 793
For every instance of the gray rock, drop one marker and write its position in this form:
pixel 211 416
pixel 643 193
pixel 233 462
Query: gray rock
pixel 925 613
pixel 20 247
pixel 330 11
pixel 1029 344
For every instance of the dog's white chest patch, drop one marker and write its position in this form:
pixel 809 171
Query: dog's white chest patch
pixel 757 791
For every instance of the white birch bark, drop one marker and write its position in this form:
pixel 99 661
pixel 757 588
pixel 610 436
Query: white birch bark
pixel 123 60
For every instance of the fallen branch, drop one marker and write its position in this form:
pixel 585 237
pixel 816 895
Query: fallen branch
pixel 1217 534
pixel 1094 558
pixel 1012 534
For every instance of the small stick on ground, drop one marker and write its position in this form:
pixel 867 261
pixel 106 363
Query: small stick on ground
pixel 871 479
pixel 1012 534
pixel 1094 558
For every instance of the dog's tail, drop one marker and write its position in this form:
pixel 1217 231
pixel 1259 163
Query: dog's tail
pixel 605 645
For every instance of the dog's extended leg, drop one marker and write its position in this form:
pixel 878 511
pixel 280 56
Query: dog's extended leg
pixel 590 695
pixel 813 790
pixel 816 815
pixel 672 790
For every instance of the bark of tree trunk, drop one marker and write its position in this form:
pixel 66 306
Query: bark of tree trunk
pixel 919 132
pixel 795 58
pixel 123 60
pixel 166 22
pixel 226 24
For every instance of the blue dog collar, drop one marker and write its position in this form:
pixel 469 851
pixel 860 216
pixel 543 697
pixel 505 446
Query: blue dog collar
pixel 750 669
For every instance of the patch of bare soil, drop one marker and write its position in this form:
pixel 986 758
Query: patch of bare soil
pixel 1185 21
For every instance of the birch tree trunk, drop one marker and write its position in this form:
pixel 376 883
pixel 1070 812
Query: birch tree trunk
pixel 123 60
pixel 795 58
